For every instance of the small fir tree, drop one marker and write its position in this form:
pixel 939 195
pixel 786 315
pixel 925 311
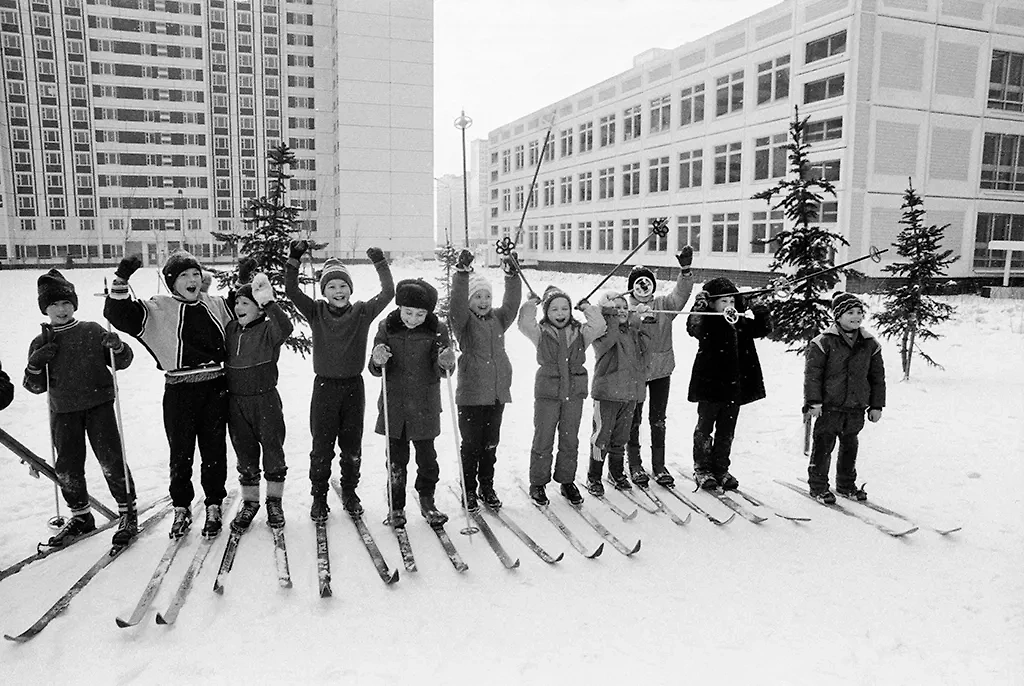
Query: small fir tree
pixel 446 255
pixel 804 247
pixel 909 312
pixel 271 228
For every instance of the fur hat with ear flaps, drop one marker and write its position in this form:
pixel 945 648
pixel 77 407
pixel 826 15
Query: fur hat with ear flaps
pixel 416 293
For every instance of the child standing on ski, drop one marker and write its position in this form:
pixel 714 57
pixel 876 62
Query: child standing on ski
pixel 485 373
pixel 620 375
pixel 843 376
pixel 71 362
pixel 6 389
pixel 340 329
pixel 559 388
pixel 255 416
pixel 411 350
pixel 726 374
pixel 184 331
pixel 661 362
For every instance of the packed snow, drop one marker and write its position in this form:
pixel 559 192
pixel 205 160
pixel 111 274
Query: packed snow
pixel 790 603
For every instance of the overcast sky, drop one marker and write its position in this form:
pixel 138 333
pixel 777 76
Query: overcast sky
pixel 502 59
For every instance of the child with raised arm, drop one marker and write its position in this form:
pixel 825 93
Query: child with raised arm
pixel 559 388
pixel 340 329
pixel 71 361
pixel 843 376
pixel 411 348
pixel 485 373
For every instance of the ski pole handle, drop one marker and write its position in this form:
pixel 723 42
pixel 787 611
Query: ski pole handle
pixel 659 227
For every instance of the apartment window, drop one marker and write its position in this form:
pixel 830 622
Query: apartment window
pixel 630 232
pixel 996 227
pixel 605 235
pixel 631 123
pixel 729 93
pixel 607 130
pixel 727 163
pixel 519 197
pixel 657 243
pixel 691 105
pixel 826 169
pixel 506 200
pixel 586 136
pixel 534 150
pixel 661 114
pixel 494 158
pixel 549 151
pixel 585 237
pixel 828 213
pixel 631 179
pixel 823 89
pixel 828 129
pixel 565 236
pixel 549 192
pixel 1006 81
pixel 764 227
pixel 825 47
pixel 28 225
pixel 773 80
pixel 565 138
pixel 657 174
pixel 520 157
pixel 549 237
pixel 725 232
pixel 506 161
pixel 688 231
pixel 1002 162
pixel 586 184
pixel 770 157
pixel 565 189
pixel 606 183
pixel 533 196
pixel 532 236
pixel 691 169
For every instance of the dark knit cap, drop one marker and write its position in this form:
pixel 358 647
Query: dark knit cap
pixel 718 287
pixel 416 293
pixel 334 269
pixel 52 287
pixel 844 302
pixel 552 293
pixel 637 272
pixel 245 291
pixel 177 262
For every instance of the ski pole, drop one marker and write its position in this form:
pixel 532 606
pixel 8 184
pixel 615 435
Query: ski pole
pixel 506 247
pixel 129 485
pixel 387 439
pixel 469 530
pixel 730 313
pixel 659 227
pixel 808 427
pixel 533 184
pixel 57 521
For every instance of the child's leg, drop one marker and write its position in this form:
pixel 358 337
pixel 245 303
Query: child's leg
pixel 105 439
pixel 244 433
pixel 492 415
pixel 826 429
pixel 324 424
pixel 707 414
pixel 179 409
pixel 633 444
pixel 605 412
pixel 471 429
pixel 569 417
pixel 212 436
pixel 350 432
pixel 545 419
pixel 270 432
pixel 621 421
pixel 399 447
pixel 427 469
pixel 68 431
pixel 846 458
pixel 725 430
pixel 657 390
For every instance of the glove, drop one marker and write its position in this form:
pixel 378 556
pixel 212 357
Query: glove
pixel 643 310
pixel 508 264
pixel 262 291
pixel 375 254
pixel 446 359
pixel 42 356
pixel 701 303
pixel 464 261
pixel 297 249
pixel 246 266
pixel 685 257
pixel 874 414
pixel 204 287
pixel 533 298
pixel 380 355
pixel 814 411
pixel 128 266
pixel 111 341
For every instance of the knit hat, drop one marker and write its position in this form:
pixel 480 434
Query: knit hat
pixel 552 293
pixel 416 293
pixel 645 288
pixel 52 287
pixel 245 291
pixel 844 302
pixel 177 262
pixel 334 269
pixel 718 287
pixel 478 282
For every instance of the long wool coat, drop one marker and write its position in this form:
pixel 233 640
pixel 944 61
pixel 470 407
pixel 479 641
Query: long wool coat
pixel 726 368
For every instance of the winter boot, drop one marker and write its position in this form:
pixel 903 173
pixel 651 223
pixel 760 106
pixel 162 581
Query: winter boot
pixel 824 496
pixel 639 476
pixel 350 501
pixel 489 497
pixel 318 512
pixel 572 494
pixel 852 492
pixel 243 518
pixel 396 519
pixel 727 481
pixel 663 478
pixel 275 513
pixel 75 526
pixel 705 480
pixel 182 522
pixel 595 486
pixel 127 527
pixel 471 502
pixel 538 495
pixel 430 512
pixel 211 528
pixel 620 482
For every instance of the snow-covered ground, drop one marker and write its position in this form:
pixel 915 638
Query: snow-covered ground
pixel 786 603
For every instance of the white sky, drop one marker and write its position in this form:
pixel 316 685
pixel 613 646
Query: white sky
pixel 502 59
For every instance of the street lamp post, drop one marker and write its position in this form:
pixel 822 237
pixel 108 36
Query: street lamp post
pixel 462 123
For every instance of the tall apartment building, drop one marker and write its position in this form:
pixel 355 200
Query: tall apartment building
pixel 143 125
pixel 928 90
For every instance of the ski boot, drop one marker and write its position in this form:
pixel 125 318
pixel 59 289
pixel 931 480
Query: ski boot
pixel 852 492
pixel 471 503
pixel 75 526
pixel 620 482
pixel 489 497
pixel 663 478
pixel 127 527
pixel 350 501
pixel 538 495
pixel 705 480
pixel 430 512
pixel 824 496
pixel 639 476
pixel 212 526
pixel 572 494
pixel 243 518
pixel 396 519
pixel 182 522
pixel 275 513
pixel 595 486
pixel 727 482
pixel 318 512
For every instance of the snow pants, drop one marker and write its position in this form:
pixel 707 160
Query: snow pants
pixel 480 427
pixel 336 412
pixel 612 421
pixel 657 390
pixel 835 425
pixel 197 412
pixel 256 422
pixel 69 430
pixel 711 452
pixel 563 417
pixel 427 470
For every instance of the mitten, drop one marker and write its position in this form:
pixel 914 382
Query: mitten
pixel 246 266
pixel 112 341
pixel 446 359
pixel 701 303
pixel 685 257
pixel 262 291
pixel 128 266
pixel 375 254
pixel 508 264
pixel 204 286
pixel 42 356
pixel 464 261
pixel 380 355
pixel 297 249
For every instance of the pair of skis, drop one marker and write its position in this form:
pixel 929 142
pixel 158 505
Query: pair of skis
pixel 591 520
pixel 284 577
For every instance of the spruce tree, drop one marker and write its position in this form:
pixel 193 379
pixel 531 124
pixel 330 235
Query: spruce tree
pixel 909 312
pixel 446 255
pixel 271 227
pixel 804 247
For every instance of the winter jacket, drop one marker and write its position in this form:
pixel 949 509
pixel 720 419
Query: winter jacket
pixel 842 376
pixel 661 359
pixel 6 389
pixel 485 373
pixel 339 336
pixel 561 353
pixel 78 377
pixel 253 351
pixel 185 338
pixel 413 376
pixel 620 364
pixel 726 368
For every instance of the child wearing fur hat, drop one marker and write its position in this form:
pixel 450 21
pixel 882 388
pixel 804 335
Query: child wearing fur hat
pixel 661 362
pixel 726 374
pixel 340 329
pixel 184 332
pixel 255 416
pixel 485 372
pixel 559 387
pixel 843 376
pixel 620 375
pixel 411 351
pixel 6 389
pixel 71 362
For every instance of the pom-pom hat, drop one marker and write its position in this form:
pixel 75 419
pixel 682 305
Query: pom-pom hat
pixel 334 269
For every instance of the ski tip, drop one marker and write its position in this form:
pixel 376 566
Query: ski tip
pixel 905 532
pixel 559 558
pixel 597 553
pixel 689 515
pixel 218 588
pixel 636 548
pixel 392 579
pixel 514 565
pixel 326 592
pixel 946 532
pixel 630 516
pixel 726 521
pixel 122 623
pixel 284 583
pixel 16 639
pixel 160 619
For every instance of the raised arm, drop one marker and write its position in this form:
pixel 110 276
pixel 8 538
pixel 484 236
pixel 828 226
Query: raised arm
pixel 527 320
pixel 377 303
pixel 303 303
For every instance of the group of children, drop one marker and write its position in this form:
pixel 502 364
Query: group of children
pixel 220 353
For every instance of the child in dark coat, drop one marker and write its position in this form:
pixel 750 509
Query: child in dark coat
pixel 71 361
pixel 255 416
pixel 726 374
pixel 6 389
pixel 485 373
pixel 843 376
pixel 411 351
